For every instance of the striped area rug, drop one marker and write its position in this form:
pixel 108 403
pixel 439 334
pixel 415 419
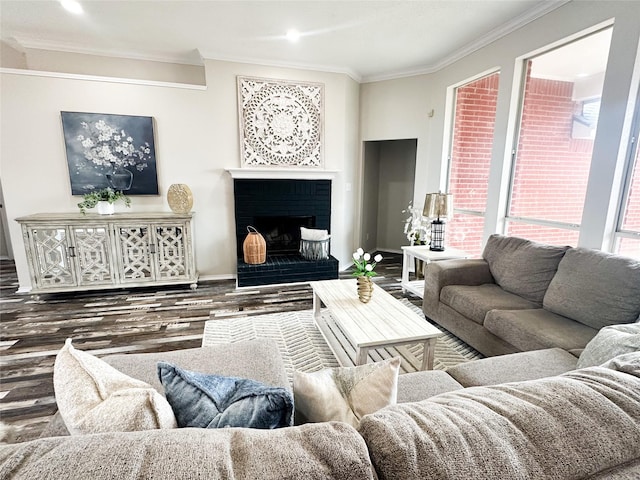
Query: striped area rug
pixel 303 348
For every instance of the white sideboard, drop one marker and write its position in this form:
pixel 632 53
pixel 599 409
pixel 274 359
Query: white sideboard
pixel 70 252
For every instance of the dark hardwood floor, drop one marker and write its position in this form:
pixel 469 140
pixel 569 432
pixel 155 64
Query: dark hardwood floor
pixel 32 330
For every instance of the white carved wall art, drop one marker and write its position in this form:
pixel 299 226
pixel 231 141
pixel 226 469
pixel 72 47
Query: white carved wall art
pixel 281 123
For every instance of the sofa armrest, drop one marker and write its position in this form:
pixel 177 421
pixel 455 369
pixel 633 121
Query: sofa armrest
pixel 438 275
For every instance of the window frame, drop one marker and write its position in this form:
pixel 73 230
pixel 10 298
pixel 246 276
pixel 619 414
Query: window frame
pixel 632 161
pixel 569 226
pixel 450 137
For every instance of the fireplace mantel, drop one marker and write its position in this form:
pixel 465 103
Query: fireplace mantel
pixel 282 173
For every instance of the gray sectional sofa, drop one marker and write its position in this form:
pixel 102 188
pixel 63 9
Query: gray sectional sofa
pixel 523 295
pixel 551 421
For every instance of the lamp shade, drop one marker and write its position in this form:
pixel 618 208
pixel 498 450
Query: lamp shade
pixel 438 205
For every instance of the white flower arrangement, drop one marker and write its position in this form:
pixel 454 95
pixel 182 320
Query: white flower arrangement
pixel 105 146
pixel 416 226
pixel 361 262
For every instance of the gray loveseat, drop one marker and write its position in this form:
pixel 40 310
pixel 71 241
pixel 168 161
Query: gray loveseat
pixel 523 295
pixel 439 430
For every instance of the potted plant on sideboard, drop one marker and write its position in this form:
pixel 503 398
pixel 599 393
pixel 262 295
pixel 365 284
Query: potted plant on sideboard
pixel 104 199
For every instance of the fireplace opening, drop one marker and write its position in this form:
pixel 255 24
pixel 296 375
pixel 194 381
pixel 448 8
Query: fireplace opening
pixel 282 233
pixel 277 208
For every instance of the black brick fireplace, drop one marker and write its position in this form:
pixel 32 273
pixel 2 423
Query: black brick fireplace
pixel 277 208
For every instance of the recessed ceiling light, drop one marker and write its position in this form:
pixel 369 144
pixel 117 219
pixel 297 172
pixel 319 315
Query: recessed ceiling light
pixel 293 35
pixel 72 6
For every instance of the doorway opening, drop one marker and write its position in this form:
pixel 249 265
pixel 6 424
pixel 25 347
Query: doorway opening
pixel 388 183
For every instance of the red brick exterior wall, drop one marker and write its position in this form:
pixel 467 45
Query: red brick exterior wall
pixel 475 113
pixel 552 168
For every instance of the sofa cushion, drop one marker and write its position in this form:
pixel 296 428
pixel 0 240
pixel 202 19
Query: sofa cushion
pixel 538 329
pixel 316 451
pixel 261 361
pixel 94 397
pixel 515 430
pixel 416 386
pixel 595 288
pixel 475 301
pixel 521 266
pixel 515 367
pixel 345 394
pixel 610 342
pixel 215 401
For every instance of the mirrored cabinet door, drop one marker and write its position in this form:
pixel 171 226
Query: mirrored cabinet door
pixel 51 260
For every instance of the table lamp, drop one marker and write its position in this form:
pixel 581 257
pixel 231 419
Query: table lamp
pixel 439 206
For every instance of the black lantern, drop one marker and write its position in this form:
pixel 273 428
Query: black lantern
pixel 438 206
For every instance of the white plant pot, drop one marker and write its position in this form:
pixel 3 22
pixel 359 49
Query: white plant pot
pixel 105 208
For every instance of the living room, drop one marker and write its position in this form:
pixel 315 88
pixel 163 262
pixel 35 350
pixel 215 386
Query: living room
pixel 199 152
pixel 196 115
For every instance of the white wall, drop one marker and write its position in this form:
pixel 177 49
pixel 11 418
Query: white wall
pixel 399 108
pixel 83 64
pixel 10 57
pixel 196 140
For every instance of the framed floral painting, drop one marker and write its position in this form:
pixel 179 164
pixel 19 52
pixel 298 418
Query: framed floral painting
pixel 105 150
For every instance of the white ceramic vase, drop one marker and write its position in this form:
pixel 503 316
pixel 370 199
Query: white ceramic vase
pixel 105 208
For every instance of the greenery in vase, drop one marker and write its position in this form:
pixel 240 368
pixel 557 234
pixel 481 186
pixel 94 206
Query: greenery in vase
pixel 90 200
pixel 362 265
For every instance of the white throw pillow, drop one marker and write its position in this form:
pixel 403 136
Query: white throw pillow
pixel 345 394
pixel 610 342
pixel 313 234
pixel 94 397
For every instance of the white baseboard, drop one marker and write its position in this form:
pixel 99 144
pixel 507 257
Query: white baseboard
pixel 225 276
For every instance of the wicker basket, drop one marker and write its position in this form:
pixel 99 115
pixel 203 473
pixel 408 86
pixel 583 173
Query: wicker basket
pixel 314 249
pixel 254 247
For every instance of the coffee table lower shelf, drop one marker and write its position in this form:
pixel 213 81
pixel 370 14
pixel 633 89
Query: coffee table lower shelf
pixel 346 353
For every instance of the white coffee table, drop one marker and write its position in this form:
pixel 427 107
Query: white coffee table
pixel 355 326
pixel 422 252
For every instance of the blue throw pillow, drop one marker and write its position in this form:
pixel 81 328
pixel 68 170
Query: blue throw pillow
pixel 214 401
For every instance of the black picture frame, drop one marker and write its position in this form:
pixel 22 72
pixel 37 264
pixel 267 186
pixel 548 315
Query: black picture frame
pixel 106 150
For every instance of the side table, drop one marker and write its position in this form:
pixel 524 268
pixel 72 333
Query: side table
pixel 422 252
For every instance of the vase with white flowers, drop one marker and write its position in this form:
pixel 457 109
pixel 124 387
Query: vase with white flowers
pixel 416 226
pixel 418 232
pixel 364 270
pixel 113 150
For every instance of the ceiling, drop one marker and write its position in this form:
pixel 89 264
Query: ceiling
pixel 368 40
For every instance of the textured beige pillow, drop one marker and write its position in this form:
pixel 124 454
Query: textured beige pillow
pixel 610 342
pixel 345 394
pixel 94 397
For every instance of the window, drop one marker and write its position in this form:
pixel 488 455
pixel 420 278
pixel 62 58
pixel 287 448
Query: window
pixel 558 121
pixel 470 159
pixel 628 230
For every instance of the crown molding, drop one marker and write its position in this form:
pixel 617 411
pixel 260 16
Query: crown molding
pixel 282 64
pixel 490 37
pixel 27 43
pixel 96 78
pixel 193 59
